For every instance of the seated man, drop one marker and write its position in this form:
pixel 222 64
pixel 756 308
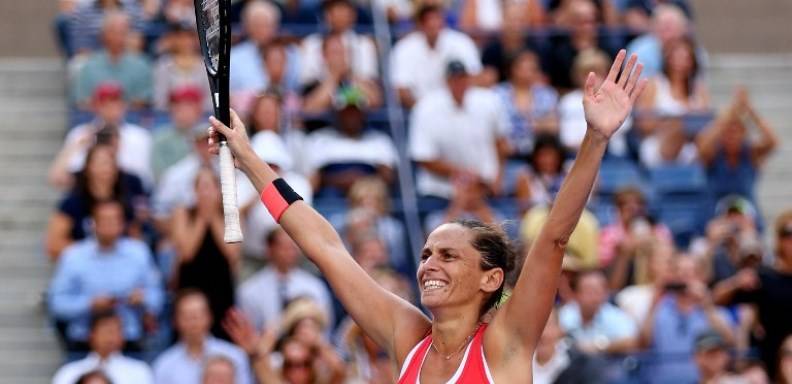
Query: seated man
pixel 265 295
pixel 595 325
pixel 173 141
pixel 132 142
pixel 106 341
pixel 340 155
pixel 458 131
pixel 183 363
pixel 115 62
pixel 108 272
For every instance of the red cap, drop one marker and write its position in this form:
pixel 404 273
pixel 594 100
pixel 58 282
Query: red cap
pixel 108 91
pixel 189 93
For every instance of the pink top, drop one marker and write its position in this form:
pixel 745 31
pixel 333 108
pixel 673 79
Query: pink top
pixel 472 370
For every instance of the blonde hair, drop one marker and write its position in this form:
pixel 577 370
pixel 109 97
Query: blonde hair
pixel 370 186
pixel 587 61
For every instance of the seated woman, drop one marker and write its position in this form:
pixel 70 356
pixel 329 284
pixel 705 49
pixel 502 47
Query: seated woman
pixel 205 261
pixel 100 180
pixel 530 104
pixel 732 158
pixel 463 264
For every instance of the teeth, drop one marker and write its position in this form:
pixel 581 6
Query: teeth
pixel 433 284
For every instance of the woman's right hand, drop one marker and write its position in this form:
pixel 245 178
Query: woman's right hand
pixel 236 136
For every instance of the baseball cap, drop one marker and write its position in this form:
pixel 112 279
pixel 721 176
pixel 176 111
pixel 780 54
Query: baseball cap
pixel 269 146
pixel 108 91
pixel 349 96
pixel 709 340
pixel 735 204
pixel 186 93
pixel 455 68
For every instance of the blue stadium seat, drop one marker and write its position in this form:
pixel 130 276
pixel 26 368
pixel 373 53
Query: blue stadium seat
pixel 678 179
pixel 684 216
pixel 617 174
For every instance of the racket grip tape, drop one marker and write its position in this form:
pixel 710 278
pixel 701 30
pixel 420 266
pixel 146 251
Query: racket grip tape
pixel 228 187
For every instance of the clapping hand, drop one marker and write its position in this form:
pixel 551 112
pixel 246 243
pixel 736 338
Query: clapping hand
pixel 607 106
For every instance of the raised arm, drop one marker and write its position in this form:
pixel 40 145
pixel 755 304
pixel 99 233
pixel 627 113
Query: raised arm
pixel 382 315
pixel 606 107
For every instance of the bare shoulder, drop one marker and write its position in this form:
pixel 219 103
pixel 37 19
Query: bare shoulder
pixel 410 330
pixel 507 355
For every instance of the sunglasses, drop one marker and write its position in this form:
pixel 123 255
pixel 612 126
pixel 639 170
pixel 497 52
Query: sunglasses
pixel 301 364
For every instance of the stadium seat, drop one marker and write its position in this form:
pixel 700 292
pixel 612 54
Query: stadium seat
pixel 617 174
pixel 678 179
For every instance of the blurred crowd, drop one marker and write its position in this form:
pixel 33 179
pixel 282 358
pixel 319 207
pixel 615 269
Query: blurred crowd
pixel 667 278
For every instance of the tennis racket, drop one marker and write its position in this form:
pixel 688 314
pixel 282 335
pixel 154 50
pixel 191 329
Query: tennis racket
pixel 214 33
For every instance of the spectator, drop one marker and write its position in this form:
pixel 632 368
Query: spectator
pixel 369 207
pixel 181 66
pixel 306 355
pixel 572 122
pixel 638 13
pixel 681 310
pixel 358 51
pixel 468 202
pixel 583 34
pixel 261 20
pixel 106 341
pixel 419 58
pixel 455 117
pixel 668 145
pixel 785 361
pixel 115 62
pixel 82 285
pixel 732 241
pixel 218 370
pixel 552 356
pixel 271 148
pixel 179 12
pixel 531 105
pixel 712 359
pixel 173 141
pixel 183 362
pixel 770 290
pixel 205 261
pixel 582 245
pixel 734 160
pixel 264 296
pixel 499 52
pixel 678 89
pixel 594 324
pixel 87 20
pixel 340 155
pixel 369 251
pixel 541 183
pixel 93 377
pixel 132 142
pixel 637 299
pixel 562 12
pixel 668 24
pixel 338 79
pixel 632 230
pixel 101 180
pixel 488 16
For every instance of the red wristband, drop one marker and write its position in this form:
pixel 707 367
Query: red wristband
pixel 277 196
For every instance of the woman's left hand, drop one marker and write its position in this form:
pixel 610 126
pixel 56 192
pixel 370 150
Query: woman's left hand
pixel 607 106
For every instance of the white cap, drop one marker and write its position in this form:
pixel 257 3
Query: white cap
pixel 269 146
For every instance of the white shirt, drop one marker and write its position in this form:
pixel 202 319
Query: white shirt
pixel 259 296
pixel 176 366
pixel 548 372
pixel 636 300
pixel 330 146
pixel 361 56
pixel 651 157
pixel 120 369
pixel 134 149
pixel 463 136
pixel 420 68
pixel 572 124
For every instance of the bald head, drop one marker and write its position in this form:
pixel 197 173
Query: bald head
pixel 669 23
pixel 261 20
pixel 115 31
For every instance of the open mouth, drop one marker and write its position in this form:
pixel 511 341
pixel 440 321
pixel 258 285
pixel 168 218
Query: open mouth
pixel 432 285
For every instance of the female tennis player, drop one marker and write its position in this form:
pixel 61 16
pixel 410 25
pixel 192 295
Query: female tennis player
pixel 462 267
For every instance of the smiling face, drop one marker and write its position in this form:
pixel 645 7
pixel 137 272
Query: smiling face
pixel 450 273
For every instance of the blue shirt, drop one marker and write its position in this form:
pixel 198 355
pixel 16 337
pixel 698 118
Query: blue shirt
pixel 543 105
pixel 609 323
pixel 726 180
pixel 86 272
pixel 132 71
pixel 650 54
pixel 249 74
pixel 176 366
pixel 673 337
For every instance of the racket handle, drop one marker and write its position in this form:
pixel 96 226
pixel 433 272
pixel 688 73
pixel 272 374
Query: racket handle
pixel 233 231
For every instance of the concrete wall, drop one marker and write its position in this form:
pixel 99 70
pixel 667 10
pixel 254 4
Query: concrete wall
pixel 744 26
pixel 26 28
